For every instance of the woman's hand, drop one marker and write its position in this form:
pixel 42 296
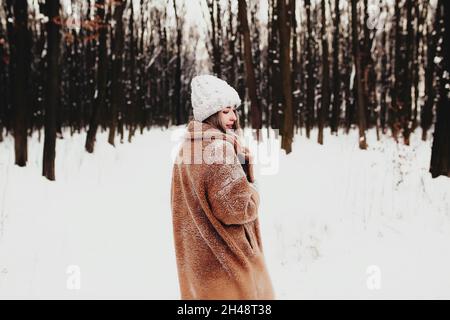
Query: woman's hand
pixel 247 163
pixel 245 157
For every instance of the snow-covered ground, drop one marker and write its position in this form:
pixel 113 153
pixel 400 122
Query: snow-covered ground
pixel 337 222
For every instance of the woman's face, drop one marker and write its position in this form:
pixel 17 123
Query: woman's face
pixel 228 117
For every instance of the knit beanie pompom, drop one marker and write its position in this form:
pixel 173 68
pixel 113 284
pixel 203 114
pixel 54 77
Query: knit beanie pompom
pixel 210 94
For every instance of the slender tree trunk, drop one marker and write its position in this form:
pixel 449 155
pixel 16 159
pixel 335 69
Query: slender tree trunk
pixel 275 75
pixel 255 111
pixel 309 72
pixel 179 43
pixel 347 78
pixel 231 48
pixel 285 41
pixel 396 103
pixel 3 81
pixel 100 99
pixel 136 97
pixel 334 123
pixel 440 151
pixel 426 118
pixel 418 27
pixel 52 90
pixel 117 65
pixel 384 82
pixel 214 13
pixel 407 109
pixel 325 105
pixel 295 65
pixel 19 37
pixel 358 79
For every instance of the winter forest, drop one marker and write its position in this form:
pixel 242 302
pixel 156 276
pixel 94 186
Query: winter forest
pixel 358 91
pixel 116 65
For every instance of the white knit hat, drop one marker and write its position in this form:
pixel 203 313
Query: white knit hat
pixel 210 94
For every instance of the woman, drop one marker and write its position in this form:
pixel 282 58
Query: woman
pixel 215 204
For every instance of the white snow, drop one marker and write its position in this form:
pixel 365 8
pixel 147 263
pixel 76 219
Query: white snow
pixel 337 222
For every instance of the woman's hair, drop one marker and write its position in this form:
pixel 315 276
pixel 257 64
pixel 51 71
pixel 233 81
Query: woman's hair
pixel 214 120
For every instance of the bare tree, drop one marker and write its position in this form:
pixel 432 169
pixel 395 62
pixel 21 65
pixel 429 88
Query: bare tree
pixel 255 111
pixel 19 37
pixel 440 151
pixel 117 66
pixel 52 82
pixel 100 98
pixel 325 104
pixel 310 90
pixel 358 79
pixel 286 72
pixel 336 71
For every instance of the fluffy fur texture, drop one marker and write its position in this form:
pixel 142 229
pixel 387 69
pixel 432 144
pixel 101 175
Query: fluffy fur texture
pixel 215 221
pixel 210 94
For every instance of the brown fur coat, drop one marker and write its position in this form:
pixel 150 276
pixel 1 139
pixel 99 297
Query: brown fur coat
pixel 215 220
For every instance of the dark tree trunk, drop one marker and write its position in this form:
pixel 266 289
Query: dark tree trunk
pixel 407 108
pixel 348 65
pixel 309 114
pixel 231 48
pixel 214 13
pixel 3 81
pixel 135 99
pixel 52 90
pixel 285 52
pixel 117 65
pixel 358 79
pixel 325 104
pixel 177 94
pixel 384 82
pixel 336 109
pixel 275 97
pixel 100 99
pixel 396 98
pixel 19 38
pixel 255 111
pixel 440 151
pixel 295 64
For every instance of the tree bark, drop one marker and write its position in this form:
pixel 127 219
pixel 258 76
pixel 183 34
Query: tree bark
pixel 19 37
pixel 52 90
pixel 358 80
pixel 407 108
pixel 100 98
pixel 3 81
pixel 334 123
pixel 440 151
pixel 179 41
pixel 117 65
pixel 255 111
pixel 286 72
pixel 214 13
pixel 309 114
pixel 325 104
pixel 426 117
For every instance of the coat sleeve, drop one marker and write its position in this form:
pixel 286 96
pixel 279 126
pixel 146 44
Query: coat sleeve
pixel 231 196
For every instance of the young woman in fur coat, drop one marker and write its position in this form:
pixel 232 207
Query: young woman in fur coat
pixel 215 203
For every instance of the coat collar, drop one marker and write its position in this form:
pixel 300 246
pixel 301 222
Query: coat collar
pixel 197 130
